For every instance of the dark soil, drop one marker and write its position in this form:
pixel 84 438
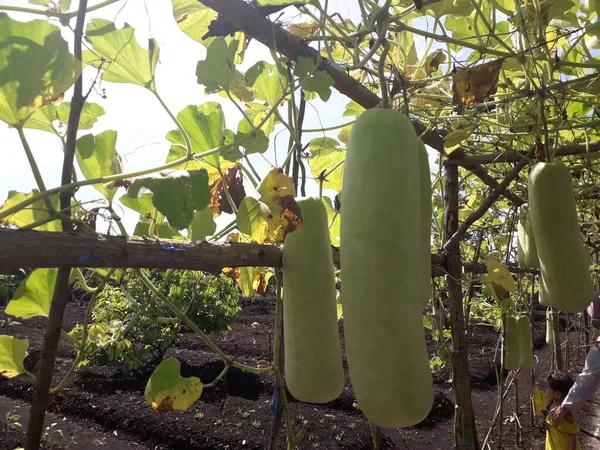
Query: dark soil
pixel 106 404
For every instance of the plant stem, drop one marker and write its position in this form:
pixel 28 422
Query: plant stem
pixel 195 328
pixel 35 169
pixel 186 138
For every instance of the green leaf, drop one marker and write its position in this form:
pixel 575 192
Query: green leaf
pixel 33 213
pixel 142 204
pixel 34 295
pixel 98 157
pixel 324 155
pixel 36 68
pixel 257 112
pixel 344 135
pixel 333 220
pixel 320 82
pixel 216 72
pixel 353 109
pixel 43 119
pixel 193 18
pixel 205 126
pixel 454 7
pixel 64 4
pixel 303 66
pixel 258 143
pixel 116 275
pixel 163 230
pixel 120 55
pixel 267 82
pixel 89 114
pixel 12 354
pixel 167 390
pixel 176 197
pixel 252 219
pixel 203 225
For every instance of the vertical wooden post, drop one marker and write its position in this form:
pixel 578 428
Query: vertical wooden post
pixel 61 288
pixel 532 310
pixel 465 431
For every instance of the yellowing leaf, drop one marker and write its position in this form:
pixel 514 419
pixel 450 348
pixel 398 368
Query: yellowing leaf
pixel 304 29
pixel 36 68
pixel 499 280
pixel 277 193
pixel 12 353
pixel 433 61
pixel 476 84
pixel 260 280
pixel 167 390
pixel 457 136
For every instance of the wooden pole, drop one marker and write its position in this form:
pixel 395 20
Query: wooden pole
pixel 61 292
pixel 465 431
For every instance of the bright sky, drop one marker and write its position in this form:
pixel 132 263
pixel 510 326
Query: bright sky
pixel 141 122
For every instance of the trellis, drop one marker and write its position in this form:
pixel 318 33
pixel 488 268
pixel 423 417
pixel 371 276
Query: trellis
pixel 33 249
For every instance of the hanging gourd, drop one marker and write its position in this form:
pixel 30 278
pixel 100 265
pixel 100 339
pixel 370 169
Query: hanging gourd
pixel 313 359
pixel 526 250
pixel 564 260
pixel 381 261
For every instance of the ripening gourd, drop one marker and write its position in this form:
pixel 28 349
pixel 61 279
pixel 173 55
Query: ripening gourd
pixel 512 352
pixel 381 248
pixel 525 342
pixel 526 250
pixel 564 260
pixel 313 359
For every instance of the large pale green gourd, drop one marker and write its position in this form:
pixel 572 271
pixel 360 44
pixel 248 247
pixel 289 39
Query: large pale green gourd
pixel 564 260
pixel 380 261
pixel 525 342
pixel 526 251
pixel 426 213
pixel 313 360
pixel 512 352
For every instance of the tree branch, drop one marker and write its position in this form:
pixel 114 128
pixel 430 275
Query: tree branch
pixel 479 212
pixel 250 20
pixel 484 176
pixel 495 158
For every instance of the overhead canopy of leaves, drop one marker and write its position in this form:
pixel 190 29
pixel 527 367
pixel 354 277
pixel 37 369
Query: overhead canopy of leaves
pixel 36 68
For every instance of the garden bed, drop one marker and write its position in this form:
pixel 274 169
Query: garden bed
pixel 107 402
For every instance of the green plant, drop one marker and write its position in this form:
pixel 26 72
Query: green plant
pixel 130 328
pixel 124 331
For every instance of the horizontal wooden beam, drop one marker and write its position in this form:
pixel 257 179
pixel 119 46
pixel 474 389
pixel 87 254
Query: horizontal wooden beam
pixel 27 249
pixel 504 157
